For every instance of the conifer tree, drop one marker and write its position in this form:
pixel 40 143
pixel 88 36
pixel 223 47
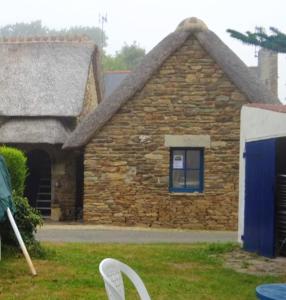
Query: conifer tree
pixel 276 41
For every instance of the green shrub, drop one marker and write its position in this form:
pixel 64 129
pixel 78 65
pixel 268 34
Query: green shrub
pixel 16 164
pixel 26 217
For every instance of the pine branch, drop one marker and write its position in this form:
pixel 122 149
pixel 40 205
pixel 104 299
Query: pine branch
pixel 248 38
pixel 275 42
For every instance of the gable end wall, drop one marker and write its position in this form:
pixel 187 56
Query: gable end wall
pixel 90 96
pixel 127 162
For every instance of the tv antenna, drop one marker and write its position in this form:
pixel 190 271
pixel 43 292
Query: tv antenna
pixel 102 20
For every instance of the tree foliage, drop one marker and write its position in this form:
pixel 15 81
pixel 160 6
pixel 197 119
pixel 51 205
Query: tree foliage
pixel 94 33
pixel 36 28
pixel 276 41
pixel 128 57
pixel 26 217
pixel 124 59
pixel 16 163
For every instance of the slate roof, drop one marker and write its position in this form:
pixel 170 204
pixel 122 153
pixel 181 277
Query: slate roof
pixel 112 80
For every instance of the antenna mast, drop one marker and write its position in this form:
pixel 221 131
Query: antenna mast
pixel 102 21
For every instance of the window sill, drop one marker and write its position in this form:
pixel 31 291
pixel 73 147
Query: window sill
pixel 190 194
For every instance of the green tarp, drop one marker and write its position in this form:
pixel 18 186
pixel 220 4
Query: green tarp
pixel 6 199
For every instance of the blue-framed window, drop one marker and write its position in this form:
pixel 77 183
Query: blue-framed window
pixel 186 170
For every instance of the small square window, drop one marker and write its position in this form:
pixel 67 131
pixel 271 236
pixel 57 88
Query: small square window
pixel 186 169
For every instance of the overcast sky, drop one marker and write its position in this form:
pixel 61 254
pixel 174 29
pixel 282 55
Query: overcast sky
pixel 148 21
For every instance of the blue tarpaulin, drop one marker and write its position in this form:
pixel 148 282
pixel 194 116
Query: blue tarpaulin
pixel 6 199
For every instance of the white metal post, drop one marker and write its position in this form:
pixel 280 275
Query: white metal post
pixel 21 242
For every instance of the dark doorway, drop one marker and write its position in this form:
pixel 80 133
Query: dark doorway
pixel 79 187
pixel 280 224
pixel 38 183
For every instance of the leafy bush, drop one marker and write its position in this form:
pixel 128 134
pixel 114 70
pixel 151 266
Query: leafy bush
pixel 26 217
pixel 16 164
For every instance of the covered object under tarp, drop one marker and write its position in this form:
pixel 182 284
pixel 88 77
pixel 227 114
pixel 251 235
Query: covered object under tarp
pixel 5 191
pixel 7 208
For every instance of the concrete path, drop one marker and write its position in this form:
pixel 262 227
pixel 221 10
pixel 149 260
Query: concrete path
pixel 111 234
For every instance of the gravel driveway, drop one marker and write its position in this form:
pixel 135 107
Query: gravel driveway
pixel 111 234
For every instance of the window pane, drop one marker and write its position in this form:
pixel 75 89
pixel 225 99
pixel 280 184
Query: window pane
pixel 193 159
pixel 178 159
pixel 178 179
pixel 193 179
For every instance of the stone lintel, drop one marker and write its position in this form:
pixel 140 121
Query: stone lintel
pixel 188 141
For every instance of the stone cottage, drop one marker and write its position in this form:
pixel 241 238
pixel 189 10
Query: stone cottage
pixel 47 85
pixel 163 148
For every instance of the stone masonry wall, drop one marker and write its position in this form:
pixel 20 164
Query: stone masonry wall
pixel 90 97
pixel 64 185
pixel 127 164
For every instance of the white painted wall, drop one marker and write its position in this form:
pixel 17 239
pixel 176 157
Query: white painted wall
pixel 256 124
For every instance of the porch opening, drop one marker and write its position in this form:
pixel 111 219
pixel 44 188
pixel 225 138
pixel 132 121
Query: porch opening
pixel 79 187
pixel 38 183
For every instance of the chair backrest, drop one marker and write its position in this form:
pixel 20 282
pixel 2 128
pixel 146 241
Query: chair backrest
pixel 110 270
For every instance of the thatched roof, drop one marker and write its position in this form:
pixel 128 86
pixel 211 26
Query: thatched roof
pixel 33 130
pixel 230 63
pixel 44 77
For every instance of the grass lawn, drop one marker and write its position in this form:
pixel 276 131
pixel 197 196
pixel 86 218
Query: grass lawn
pixel 70 271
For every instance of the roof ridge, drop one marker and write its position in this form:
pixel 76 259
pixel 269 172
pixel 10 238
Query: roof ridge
pixel 46 39
pixel 193 25
pixel 234 68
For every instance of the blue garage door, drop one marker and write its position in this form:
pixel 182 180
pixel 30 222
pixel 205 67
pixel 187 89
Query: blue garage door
pixel 259 223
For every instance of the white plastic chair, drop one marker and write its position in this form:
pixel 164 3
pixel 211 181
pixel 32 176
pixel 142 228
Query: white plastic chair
pixel 110 270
